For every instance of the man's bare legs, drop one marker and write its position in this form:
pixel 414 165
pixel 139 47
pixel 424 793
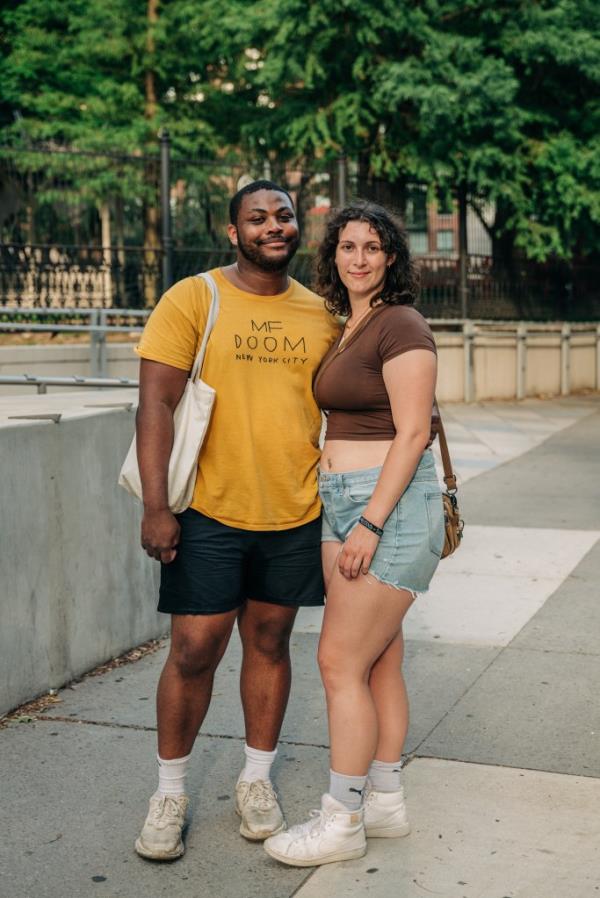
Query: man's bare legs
pixel 266 672
pixel 198 643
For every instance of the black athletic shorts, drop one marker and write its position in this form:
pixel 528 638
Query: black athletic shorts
pixel 218 567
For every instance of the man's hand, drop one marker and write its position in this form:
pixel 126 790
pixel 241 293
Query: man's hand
pixel 357 552
pixel 160 535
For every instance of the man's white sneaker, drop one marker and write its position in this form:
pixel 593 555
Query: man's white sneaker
pixel 160 839
pixel 257 805
pixel 385 815
pixel 332 834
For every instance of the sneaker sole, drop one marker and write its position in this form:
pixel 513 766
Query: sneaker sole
pixel 390 832
pixel 317 862
pixel 261 835
pixel 159 856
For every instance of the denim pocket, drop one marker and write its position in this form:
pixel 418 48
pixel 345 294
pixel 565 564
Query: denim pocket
pixel 360 493
pixel 435 521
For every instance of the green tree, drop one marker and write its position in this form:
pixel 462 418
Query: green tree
pixel 94 76
pixel 496 99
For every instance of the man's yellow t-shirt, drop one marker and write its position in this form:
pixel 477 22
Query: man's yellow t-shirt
pixel 257 468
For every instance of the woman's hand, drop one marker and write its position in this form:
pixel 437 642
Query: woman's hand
pixel 357 552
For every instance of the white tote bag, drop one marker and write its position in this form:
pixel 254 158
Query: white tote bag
pixel 190 420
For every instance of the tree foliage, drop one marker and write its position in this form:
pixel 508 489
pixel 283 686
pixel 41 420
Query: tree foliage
pixel 500 97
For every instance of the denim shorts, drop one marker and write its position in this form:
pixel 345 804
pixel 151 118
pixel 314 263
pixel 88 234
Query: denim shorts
pixel 413 536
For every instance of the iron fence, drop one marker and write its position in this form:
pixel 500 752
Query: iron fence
pixel 105 230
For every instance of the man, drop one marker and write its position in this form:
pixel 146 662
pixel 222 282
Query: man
pixel 248 548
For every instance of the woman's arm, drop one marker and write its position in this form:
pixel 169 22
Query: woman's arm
pixel 410 383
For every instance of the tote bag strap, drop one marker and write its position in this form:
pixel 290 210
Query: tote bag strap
pixel 213 313
pixel 449 475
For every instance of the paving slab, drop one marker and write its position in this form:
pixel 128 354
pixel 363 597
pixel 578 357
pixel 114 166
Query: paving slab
pixel 484 435
pixel 503 674
pixel 480 832
pixel 557 483
pixel 530 708
pixel 74 803
pixel 437 675
pixel 570 618
pixel 490 589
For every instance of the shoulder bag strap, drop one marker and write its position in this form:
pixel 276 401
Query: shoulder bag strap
pixel 213 313
pixel 449 475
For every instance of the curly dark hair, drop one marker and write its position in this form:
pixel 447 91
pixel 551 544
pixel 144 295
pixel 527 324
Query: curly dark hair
pixel 401 285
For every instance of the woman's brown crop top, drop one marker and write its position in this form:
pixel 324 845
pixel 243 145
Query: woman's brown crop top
pixel 349 383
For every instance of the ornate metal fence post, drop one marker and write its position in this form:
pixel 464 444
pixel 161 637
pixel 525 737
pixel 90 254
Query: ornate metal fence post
pixel 469 361
pixel 463 251
pixel 165 206
pixel 342 192
pixel 521 361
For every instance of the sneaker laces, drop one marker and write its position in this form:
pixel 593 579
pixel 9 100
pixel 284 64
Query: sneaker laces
pixel 262 794
pixel 313 827
pixel 167 810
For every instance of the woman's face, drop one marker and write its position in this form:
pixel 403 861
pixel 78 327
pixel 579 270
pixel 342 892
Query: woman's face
pixel 361 262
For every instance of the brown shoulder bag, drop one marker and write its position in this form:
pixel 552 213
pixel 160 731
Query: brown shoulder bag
pixel 453 522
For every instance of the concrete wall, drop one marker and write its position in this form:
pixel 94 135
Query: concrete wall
pixel 77 589
pixel 64 360
pixel 493 374
pixel 553 364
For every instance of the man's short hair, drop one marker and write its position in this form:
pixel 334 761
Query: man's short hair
pixel 236 200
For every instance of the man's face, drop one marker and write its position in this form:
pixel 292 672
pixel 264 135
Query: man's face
pixel 267 231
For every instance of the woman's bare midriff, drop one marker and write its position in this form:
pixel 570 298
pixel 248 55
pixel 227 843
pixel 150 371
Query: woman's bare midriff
pixel 339 456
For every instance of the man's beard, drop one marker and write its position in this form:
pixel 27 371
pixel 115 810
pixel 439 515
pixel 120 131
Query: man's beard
pixel 253 254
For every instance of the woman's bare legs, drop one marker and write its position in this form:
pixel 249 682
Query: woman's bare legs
pixel 363 619
pixel 391 701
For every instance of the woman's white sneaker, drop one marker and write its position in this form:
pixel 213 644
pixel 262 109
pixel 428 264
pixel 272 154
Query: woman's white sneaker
pixel 257 805
pixel 160 839
pixel 385 815
pixel 332 834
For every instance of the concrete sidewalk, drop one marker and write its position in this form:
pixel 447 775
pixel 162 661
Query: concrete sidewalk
pixel 503 773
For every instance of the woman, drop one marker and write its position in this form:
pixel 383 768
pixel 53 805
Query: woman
pixel 382 532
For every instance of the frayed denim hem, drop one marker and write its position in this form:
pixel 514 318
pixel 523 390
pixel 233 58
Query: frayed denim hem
pixel 414 592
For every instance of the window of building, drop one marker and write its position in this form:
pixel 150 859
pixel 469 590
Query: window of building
pixel 418 242
pixel 416 207
pixel 444 241
pixel 445 202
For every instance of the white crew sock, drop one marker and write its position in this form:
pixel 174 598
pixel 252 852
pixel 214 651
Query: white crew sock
pixel 385 776
pixel 171 775
pixel 258 764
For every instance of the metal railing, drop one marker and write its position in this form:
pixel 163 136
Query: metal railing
pixel 106 321
pixel 100 323
pixel 519 333
pixel 42 382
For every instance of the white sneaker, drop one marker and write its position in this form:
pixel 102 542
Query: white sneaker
pixel 257 805
pixel 385 815
pixel 160 839
pixel 332 834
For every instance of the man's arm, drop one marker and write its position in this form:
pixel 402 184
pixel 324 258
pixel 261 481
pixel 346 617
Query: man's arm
pixel 161 388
